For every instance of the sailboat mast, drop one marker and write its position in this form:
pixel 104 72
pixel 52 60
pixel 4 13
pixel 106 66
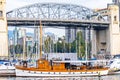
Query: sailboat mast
pixel 24 47
pixel 40 40
pixel 86 46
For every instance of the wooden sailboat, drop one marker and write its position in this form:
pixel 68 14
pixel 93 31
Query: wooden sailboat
pixel 60 68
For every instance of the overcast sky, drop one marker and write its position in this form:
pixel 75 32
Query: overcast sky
pixel 12 4
pixel 93 4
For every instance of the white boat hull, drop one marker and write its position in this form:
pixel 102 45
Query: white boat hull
pixel 114 73
pixel 7 69
pixel 20 72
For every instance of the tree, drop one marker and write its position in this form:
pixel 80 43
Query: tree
pixel 18 49
pixel 48 44
pixel 12 50
pixel 80 45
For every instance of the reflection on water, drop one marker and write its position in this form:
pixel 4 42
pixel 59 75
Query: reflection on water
pixel 110 77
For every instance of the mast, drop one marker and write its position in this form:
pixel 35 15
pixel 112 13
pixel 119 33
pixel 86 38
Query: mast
pixel 24 47
pixel 86 44
pixel 40 39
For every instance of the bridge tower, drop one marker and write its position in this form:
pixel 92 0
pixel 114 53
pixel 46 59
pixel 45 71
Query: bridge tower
pixel 114 30
pixel 107 41
pixel 3 30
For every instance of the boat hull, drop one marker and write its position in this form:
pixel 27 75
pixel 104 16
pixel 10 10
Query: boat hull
pixel 114 72
pixel 7 70
pixel 20 72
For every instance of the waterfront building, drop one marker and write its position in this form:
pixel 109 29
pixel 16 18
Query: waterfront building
pixel 11 41
pixel 18 34
pixel 21 32
pixel 28 40
pixel 15 36
pixel 116 2
pixel 70 35
pixel 61 56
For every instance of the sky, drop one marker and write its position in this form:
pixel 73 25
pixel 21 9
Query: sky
pixel 93 4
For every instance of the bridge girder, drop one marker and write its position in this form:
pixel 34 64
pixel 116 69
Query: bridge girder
pixel 51 11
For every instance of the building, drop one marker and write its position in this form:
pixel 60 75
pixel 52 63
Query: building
pixel 11 41
pixel 61 56
pixel 21 32
pixel 117 2
pixel 18 34
pixel 70 35
pixel 15 36
pixel 28 40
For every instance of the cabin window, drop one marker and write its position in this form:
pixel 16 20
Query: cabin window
pixel 1 13
pixel 57 64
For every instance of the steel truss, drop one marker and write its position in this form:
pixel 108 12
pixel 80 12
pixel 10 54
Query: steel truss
pixel 52 11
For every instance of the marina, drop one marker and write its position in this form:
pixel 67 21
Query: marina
pixel 57 67
pixel 113 77
pixel 59 41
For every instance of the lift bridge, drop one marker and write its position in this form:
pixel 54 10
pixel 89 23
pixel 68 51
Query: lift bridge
pixel 100 23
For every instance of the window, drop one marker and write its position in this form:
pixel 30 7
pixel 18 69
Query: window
pixel 1 13
pixel 115 18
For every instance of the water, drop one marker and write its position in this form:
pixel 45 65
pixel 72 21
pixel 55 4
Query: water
pixel 110 77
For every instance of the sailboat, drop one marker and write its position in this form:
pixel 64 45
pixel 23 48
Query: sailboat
pixel 57 67
pixel 7 68
pixel 114 66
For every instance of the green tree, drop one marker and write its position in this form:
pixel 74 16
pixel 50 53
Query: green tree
pixel 80 45
pixel 12 50
pixel 18 49
pixel 48 45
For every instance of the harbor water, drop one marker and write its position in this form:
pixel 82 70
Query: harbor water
pixel 109 77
